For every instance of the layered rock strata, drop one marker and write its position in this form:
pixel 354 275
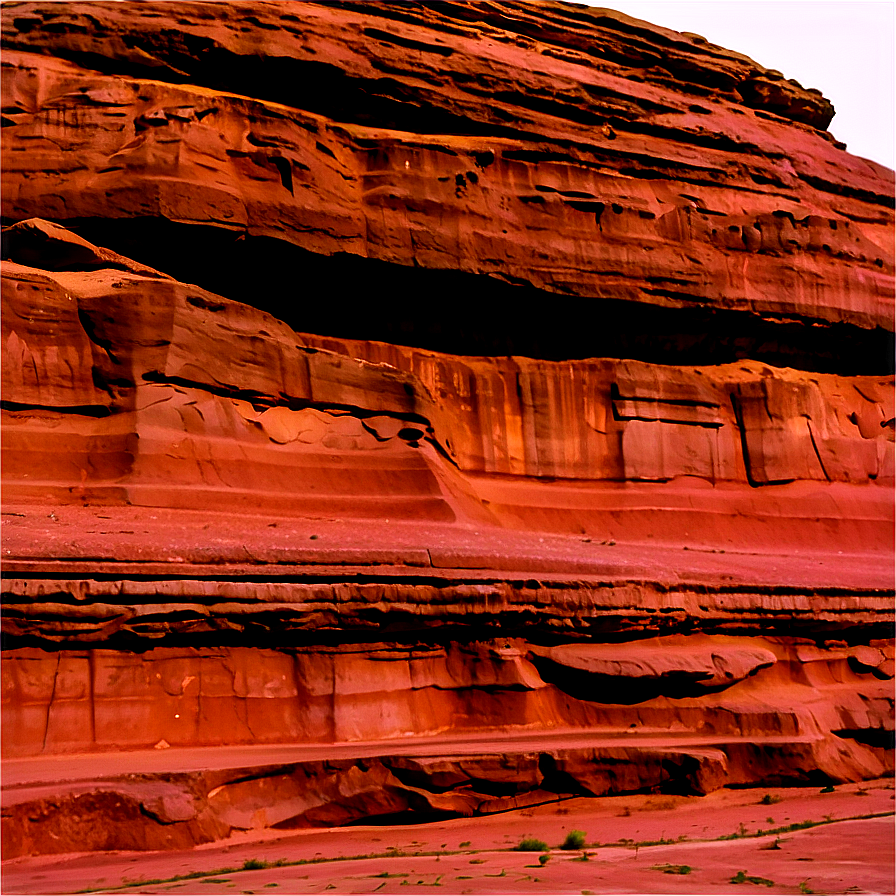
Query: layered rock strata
pixel 515 376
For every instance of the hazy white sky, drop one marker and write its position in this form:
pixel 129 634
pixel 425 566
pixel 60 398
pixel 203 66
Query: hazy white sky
pixel 845 48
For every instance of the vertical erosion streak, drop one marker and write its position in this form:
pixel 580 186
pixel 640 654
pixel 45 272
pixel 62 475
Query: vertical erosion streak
pixel 745 451
pixel 43 749
pixel 817 452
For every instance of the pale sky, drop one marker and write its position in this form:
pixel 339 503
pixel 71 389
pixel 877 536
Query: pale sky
pixel 845 48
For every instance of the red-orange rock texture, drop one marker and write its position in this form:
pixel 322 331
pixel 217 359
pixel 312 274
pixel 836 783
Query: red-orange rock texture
pixel 514 376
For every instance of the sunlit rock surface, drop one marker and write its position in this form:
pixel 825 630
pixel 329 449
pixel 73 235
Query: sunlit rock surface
pixel 501 392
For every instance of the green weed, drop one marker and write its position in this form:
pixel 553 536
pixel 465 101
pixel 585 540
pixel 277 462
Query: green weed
pixel 574 840
pixel 530 844
pixel 743 878
pixel 673 869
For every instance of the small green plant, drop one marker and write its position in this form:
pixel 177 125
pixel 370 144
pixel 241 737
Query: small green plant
pixel 804 887
pixel 828 789
pixel 574 840
pixel 477 861
pixel 387 874
pixel 465 843
pixel 255 865
pixel 673 869
pixel 743 878
pixel 770 820
pixel 770 799
pixel 530 844
pixel 544 859
pixel 584 857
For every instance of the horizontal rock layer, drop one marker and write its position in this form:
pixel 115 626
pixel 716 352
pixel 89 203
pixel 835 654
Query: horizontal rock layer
pixel 599 158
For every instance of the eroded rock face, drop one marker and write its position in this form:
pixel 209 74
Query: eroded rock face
pixel 478 373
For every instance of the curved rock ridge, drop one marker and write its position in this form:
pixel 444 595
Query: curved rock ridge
pixel 414 411
pixel 448 138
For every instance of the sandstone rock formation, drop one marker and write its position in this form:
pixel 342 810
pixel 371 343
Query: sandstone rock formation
pixel 500 391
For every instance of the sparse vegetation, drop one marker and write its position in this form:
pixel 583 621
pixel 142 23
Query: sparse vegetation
pixel 544 859
pixel 574 840
pixel 393 852
pixel 743 878
pixel 530 844
pixel 255 865
pixel 464 844
pixel 804 887
pixel 828 789
pixel 770 799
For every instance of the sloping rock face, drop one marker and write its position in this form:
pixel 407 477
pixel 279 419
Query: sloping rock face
pixel 515 378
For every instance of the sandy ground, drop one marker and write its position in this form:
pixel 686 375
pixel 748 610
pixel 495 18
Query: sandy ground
pixel 473 856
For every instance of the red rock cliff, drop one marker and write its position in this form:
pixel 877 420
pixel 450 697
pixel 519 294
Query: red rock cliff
pixel 375 369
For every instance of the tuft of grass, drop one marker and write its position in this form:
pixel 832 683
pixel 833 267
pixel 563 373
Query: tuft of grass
pixel 574 840
pixel 770 799
pixel 743 878
pixel 255 865
pixel 804 887
pixel 530 844
pixel 544 859
pixel 465 843
pixel 828 789
pixel 387 874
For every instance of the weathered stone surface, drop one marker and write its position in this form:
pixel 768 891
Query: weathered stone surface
pixel 516 376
